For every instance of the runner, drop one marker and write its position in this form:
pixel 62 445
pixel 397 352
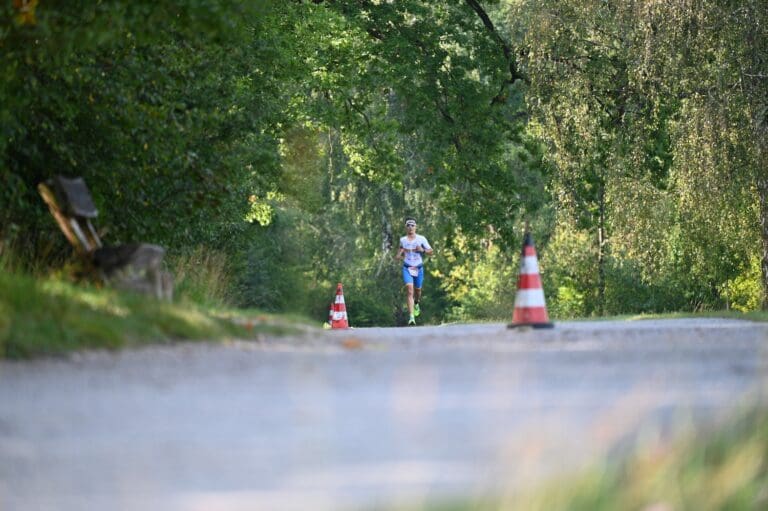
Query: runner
pixel 412 246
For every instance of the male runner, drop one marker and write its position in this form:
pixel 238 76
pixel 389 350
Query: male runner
pixel 412 246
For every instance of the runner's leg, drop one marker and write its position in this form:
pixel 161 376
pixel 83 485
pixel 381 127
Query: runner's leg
pixel 408 281
pixel 410 301
pixel 417 284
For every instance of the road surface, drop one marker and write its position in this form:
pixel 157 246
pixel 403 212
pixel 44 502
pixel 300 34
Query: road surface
pixel 360 418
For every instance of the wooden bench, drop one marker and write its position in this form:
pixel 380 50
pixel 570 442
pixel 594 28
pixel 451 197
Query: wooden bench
pixel 134 266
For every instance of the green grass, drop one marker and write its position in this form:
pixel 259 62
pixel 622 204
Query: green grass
pixel 50 317
pixel 718 470
pixel 732 314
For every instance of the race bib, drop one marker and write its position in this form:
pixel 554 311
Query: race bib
pixel 414 271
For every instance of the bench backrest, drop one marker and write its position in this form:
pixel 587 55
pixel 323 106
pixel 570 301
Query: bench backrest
pixel 72 206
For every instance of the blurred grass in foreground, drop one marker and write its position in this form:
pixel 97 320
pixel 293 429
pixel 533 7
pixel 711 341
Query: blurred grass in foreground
pixel 724 469
pixel 48 316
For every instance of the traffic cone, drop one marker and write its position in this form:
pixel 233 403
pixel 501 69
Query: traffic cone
pixel 530 308
pixel 339 317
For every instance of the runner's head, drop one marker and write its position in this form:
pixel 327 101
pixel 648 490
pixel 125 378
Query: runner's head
pixel 410 223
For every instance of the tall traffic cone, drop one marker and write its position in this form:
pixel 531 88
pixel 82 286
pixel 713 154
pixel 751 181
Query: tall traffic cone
pixel 530 307
pixel 339 317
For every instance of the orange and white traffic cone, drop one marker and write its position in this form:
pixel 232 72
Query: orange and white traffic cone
pixel 530 307
pixel 339 316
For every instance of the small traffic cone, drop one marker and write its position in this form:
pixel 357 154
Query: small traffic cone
pixel 530 307
pixel 339 316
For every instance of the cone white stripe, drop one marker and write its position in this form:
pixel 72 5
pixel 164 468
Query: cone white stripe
pixel 529 298
pixel 339 299
pixel 339 315
pixel 530 265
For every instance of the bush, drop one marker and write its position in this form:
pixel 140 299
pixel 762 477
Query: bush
pixel 570 264
pixel 745 292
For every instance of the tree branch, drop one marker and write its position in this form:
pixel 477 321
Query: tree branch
pixel 514 72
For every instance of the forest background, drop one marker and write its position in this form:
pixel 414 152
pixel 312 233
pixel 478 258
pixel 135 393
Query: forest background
pixel 277 146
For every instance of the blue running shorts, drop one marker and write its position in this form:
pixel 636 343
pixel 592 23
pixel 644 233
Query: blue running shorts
pixel 416 280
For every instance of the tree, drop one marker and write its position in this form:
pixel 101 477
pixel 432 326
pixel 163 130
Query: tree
pixel 167 111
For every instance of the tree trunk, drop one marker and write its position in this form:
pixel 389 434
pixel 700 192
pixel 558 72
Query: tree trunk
pixel 762 190
pixel 601 242
pixel 755 86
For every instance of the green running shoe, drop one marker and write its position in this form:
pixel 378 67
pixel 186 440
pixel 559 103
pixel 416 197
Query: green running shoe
pixel 416 310
pixel 411 321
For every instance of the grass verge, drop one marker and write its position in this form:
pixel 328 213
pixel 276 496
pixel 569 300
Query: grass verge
pixel 49 317
pixel 725 314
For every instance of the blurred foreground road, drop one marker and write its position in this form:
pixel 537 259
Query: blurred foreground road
pixel 360 418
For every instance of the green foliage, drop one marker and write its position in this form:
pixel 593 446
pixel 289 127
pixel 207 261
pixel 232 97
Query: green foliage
pixel 192 120
pixel 481 283
pixel 411 87
pixel 270 271
pixel 650 141
pixel 294 137
pixel 163 111
pixel 568 272
pixel 568 303
pixel 744 292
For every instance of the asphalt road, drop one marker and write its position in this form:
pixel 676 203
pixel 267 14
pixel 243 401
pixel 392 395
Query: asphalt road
pixel 360 418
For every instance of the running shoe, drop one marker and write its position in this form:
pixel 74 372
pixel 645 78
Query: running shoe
pixel 411 321
pixel 416 310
